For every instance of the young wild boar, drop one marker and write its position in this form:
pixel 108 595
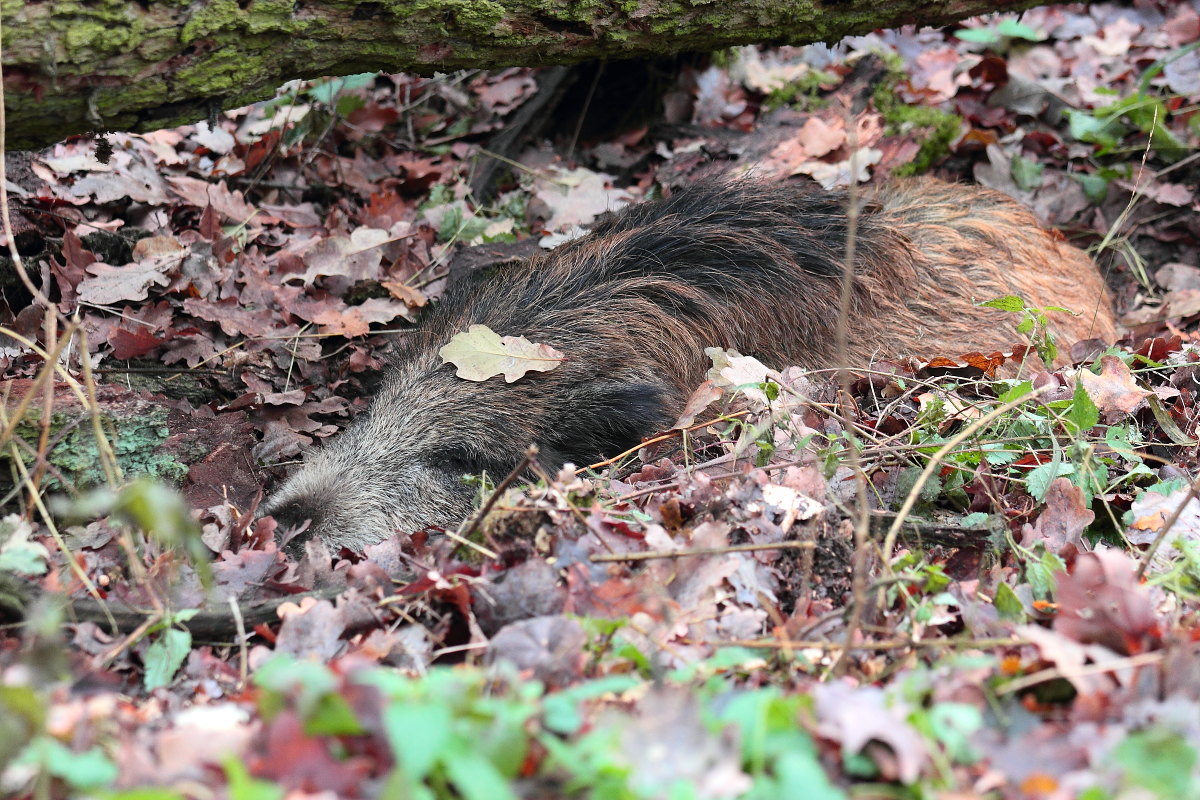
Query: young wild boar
pixel 745 265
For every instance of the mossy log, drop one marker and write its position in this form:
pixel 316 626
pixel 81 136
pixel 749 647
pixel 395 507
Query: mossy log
pixel 147 434
pixel 77 65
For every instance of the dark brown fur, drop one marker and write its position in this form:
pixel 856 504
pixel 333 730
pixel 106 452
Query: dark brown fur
pixel 750 266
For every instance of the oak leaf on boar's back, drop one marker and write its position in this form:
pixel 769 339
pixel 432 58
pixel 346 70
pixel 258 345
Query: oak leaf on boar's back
pixel 480 353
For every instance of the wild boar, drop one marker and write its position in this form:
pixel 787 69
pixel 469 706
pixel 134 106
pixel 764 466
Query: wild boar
pixel 747 265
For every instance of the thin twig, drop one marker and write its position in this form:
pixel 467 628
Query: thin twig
pixel 1056 673
pixel 243 657
pixel 853 459
pixel 651 555
pixel 891 644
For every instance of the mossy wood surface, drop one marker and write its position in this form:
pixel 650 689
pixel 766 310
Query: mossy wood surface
pixel 77 65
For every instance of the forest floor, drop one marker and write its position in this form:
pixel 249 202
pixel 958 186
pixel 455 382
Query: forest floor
pixel 1014 611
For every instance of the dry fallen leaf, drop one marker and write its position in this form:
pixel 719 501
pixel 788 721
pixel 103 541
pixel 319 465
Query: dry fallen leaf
pixel 1064 520
pixel 481 353
pixel 1114 389
pixel 109 284
pixel 577 196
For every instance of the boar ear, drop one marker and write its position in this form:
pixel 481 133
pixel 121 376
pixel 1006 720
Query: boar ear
pixel 607 417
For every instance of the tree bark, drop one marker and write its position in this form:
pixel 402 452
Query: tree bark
pixel 134 65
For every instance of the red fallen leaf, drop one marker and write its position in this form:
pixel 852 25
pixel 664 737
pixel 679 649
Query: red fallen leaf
pixel 385 209
pixel 1159 347
pixel 1039 783
pixel 234 319
pixel 1101 602
pixel 156 246
pixel 1032 460
pixel 934 73
pixel 1114 390
pixel 1171 194
pixel 74 254
pixel 262 149
pixel 613 599
pixel 210 224
pixel 372 118
pixel 990 69
pixel 1062 524
pixel 967 365
pixel 405 293
pixel 977 139
pixel 133 343
pixel 304 763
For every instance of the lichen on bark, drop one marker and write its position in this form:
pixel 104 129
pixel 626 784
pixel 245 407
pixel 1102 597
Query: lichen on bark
pixel 78 65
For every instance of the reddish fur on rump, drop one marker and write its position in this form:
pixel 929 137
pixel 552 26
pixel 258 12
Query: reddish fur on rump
pixel 752 266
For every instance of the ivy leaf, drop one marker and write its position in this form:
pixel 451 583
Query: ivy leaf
pixel 165 656
pixel 481 353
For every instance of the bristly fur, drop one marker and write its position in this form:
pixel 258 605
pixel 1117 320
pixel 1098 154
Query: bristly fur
pixel 745 265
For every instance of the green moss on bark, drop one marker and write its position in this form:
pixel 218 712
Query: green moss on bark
pixel 74 65
pixel 940 127
pixel 135 439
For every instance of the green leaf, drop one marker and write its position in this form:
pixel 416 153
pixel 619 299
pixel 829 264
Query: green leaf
pixel 1040 573
pixel 1160 761
pixel 975 519
pixel 1039 478
pixel 325 91
pixel 977 35
pixel 347 104
pixel 161 511
pixel 165 656
pixel 1019 390
pixel 953 724
pixel 1105 132
pixel 283 677
pixel 419 735
pixel 332 716
pixel 1016 30
pixel 560 711
pixel 475 777
pixel 1095 187
pixel 146 793
pixel 244 787
pixel 1007 604
pixel 1007 303
pixel 88 770
pixel 800 774
pixel 1084 413
pixel 1027 173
